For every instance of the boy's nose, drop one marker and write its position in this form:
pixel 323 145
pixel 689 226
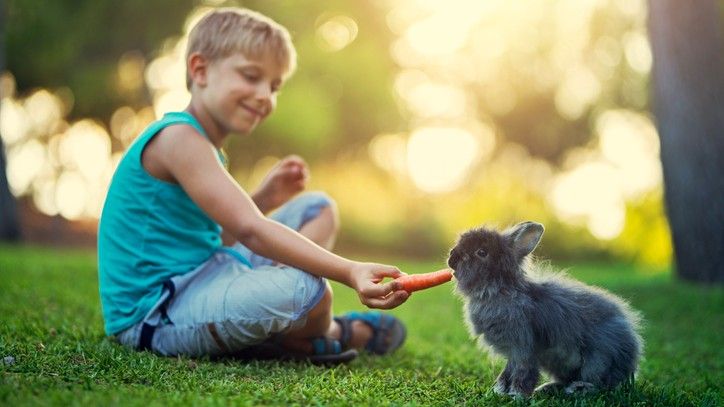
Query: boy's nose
pixel 264 91
pixel 265 98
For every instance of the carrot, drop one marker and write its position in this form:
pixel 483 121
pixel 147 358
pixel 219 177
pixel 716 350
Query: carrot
pixel 416 282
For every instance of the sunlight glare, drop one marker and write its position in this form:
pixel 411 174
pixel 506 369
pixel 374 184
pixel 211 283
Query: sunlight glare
pixel 171 101
pixel 86 147
pixel 436 100
pixel 166 72
pixel 638 52
pixel 71 195
pixel 130 71
pixel 579 89
pixel 389 151
pixel 124 125
pixel 629 141
pixel 24 162
pixel 44 111
pixel 440 34
pixel 44 196
pixel 591 192
pixel 14 121
pixel 336 32
pixel 438 158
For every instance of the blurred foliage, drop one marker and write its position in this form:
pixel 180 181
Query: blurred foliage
pixel 337 102
pixel 535 122
pixel 77 44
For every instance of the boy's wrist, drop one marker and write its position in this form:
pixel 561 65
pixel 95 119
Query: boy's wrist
pixel 351 272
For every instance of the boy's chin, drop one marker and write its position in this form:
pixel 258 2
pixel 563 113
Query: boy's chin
pixel 244 130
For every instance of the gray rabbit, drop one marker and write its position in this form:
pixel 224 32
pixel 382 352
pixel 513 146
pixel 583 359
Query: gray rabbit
pixel 583 337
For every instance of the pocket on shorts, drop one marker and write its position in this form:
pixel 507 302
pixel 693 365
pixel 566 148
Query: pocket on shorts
pixel 274 297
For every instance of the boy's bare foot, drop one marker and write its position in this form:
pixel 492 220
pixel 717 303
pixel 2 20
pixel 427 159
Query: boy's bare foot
pixel 360 335
pixel 373 331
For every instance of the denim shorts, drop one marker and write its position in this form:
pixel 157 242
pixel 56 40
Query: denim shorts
pixel 235 299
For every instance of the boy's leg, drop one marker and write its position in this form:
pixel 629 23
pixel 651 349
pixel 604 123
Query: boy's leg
pixel 224 307
pixel 323 231
pixel 313 214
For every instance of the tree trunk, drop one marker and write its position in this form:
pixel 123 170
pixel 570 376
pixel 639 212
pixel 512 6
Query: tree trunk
pixel 9 225
pixel 688 85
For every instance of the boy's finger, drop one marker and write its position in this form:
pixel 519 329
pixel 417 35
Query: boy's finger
pixel 388 271
pixel 381 290
pixel 391 301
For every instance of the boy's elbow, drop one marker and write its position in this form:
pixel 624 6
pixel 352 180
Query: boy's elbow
pixel 248 230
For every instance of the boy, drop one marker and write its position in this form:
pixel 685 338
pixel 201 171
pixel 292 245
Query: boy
pixel 167 282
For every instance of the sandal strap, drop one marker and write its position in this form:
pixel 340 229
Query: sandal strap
pixel 326 346
pixel 384 329
pixel 345 327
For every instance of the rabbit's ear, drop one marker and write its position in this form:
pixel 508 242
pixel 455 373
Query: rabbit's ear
pixel 525 237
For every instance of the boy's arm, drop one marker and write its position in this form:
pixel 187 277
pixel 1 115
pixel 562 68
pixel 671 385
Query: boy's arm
pixel 193 163
pixel 286 179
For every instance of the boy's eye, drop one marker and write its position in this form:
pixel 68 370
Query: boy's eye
pixel 481 253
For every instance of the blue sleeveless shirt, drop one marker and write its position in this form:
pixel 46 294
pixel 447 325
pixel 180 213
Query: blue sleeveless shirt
pixel 149 231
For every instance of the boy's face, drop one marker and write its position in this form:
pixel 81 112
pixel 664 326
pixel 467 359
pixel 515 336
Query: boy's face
pixel 240 92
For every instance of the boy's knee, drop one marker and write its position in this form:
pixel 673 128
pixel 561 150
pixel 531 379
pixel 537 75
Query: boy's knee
pixel 316 199
pixel 315 204
pixel 319 318
pixel 324 306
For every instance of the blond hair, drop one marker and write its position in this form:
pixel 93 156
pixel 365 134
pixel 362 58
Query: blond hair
pixel 228 30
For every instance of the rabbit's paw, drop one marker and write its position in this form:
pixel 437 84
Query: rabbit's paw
pixel 580 387
pixel 549 388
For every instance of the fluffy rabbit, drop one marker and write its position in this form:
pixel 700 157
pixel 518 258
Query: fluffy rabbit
pixel 583 337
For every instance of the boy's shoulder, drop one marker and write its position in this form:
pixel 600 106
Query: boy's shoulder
pixel 178 142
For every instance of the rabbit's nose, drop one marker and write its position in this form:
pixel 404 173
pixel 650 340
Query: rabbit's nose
pixel 453 259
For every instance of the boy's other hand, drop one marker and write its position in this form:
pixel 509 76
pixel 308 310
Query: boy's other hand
pixel 366 278
pixel 286 179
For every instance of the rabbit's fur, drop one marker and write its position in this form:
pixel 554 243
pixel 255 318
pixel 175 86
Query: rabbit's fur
pixel 583 337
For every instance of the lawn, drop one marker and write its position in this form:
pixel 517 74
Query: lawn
pixel 50 324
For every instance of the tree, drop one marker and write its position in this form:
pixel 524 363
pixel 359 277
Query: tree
pixel 688 89
pixel 9 224
pixel 78 43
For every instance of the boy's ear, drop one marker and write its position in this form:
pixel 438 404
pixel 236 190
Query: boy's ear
pixel 525 237
pixel 197 66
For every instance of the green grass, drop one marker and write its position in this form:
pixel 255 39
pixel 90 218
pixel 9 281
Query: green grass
pixel 50 322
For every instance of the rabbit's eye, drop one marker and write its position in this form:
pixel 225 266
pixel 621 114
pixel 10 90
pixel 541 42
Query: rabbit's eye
pixel 481 253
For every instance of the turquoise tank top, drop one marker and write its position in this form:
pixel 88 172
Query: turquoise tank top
pixel 149 231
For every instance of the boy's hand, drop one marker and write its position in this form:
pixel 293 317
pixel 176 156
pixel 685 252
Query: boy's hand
pixel 287 178
pixel 366 278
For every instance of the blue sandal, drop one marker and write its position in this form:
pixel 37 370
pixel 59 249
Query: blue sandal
pixel 326 351
pixel 388 332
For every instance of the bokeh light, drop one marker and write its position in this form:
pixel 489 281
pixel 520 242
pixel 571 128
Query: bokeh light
pixel 335 32
pixel 438 159
pixel 466 73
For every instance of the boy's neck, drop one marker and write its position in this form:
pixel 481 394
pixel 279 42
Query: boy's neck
pixel 216 133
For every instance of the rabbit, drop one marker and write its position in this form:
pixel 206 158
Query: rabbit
pixel 583 337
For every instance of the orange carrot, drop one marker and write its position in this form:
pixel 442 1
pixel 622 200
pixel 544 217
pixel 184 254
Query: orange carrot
pixel 416 282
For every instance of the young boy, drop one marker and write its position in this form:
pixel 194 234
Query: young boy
pixel 167 282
